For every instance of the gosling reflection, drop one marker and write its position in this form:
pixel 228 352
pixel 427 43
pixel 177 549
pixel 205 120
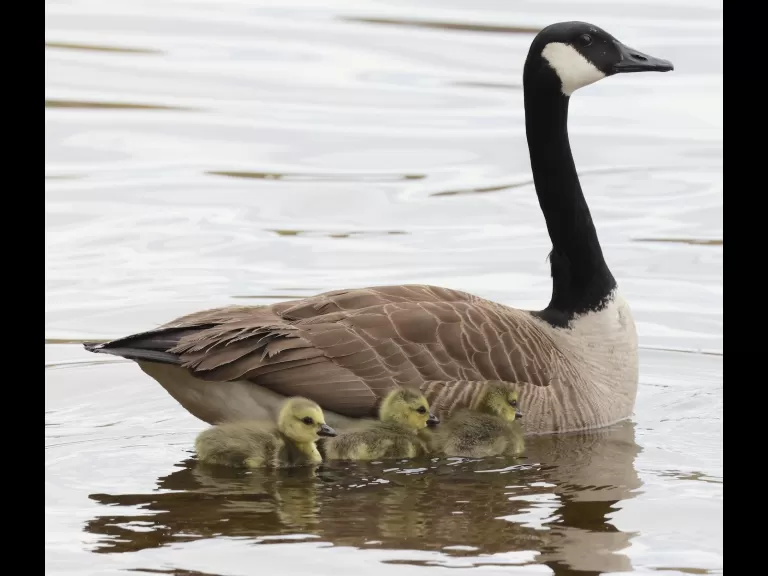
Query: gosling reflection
pixel 209 501
pixel 558 502
pixel 285 502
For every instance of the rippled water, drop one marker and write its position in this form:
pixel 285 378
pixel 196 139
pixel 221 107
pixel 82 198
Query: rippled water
pixel 204 153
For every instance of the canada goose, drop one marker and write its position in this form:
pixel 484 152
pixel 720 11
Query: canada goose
pixel 491 427
pixel 402 414
pixel 253 444
pixel 345 349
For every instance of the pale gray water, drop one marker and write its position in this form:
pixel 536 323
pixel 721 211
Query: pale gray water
pixel 204 153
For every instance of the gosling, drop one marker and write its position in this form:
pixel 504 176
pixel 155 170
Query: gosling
pixel 402 414
pixel 253 444
pixel 489 428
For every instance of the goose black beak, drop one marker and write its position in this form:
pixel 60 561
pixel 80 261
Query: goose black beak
pixel 326 430
pixel 518 415
pixel 635 61
pixel 433 421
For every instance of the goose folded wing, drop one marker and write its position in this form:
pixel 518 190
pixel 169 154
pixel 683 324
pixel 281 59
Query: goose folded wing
pixel 346 356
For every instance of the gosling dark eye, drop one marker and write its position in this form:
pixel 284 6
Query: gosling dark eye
pixel 585 40
pixel 308 421
pixel 421 410
pixel 513 403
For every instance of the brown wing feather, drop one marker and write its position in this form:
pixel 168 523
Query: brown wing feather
pixel 345 349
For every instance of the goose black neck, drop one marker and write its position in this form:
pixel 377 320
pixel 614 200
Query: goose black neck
pixel 581 280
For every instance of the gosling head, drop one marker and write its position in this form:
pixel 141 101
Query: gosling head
pixel 408 408
pixel 500 400
pixel 303 421
pixel 572 55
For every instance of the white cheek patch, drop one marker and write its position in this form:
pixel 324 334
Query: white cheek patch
pixel 572 68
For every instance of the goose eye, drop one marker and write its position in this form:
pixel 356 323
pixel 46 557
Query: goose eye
pixel 307 420
pixel 421 410
pixel 585 40
pixel 513 403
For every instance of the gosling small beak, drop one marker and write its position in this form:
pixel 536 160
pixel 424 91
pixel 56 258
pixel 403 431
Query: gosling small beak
pixel 433 421
pixel 635 61
pixel 326 430
pixel 518 415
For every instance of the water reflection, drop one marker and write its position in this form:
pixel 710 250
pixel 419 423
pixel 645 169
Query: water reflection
pixel 700 241
pixel 99 48
pixel 462 26
pixel 318 177
pixel 50 103
pixel 557 502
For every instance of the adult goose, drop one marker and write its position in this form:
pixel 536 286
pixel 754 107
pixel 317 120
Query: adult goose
pixel 576 359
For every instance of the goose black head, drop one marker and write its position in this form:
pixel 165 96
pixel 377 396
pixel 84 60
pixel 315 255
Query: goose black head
pixel 579 54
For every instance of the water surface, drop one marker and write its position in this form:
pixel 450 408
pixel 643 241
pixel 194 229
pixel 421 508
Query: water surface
pixel 205 153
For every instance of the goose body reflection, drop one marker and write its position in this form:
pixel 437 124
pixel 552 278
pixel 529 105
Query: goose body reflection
pixel 558 505
pixel 402 414
pixel 253 444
